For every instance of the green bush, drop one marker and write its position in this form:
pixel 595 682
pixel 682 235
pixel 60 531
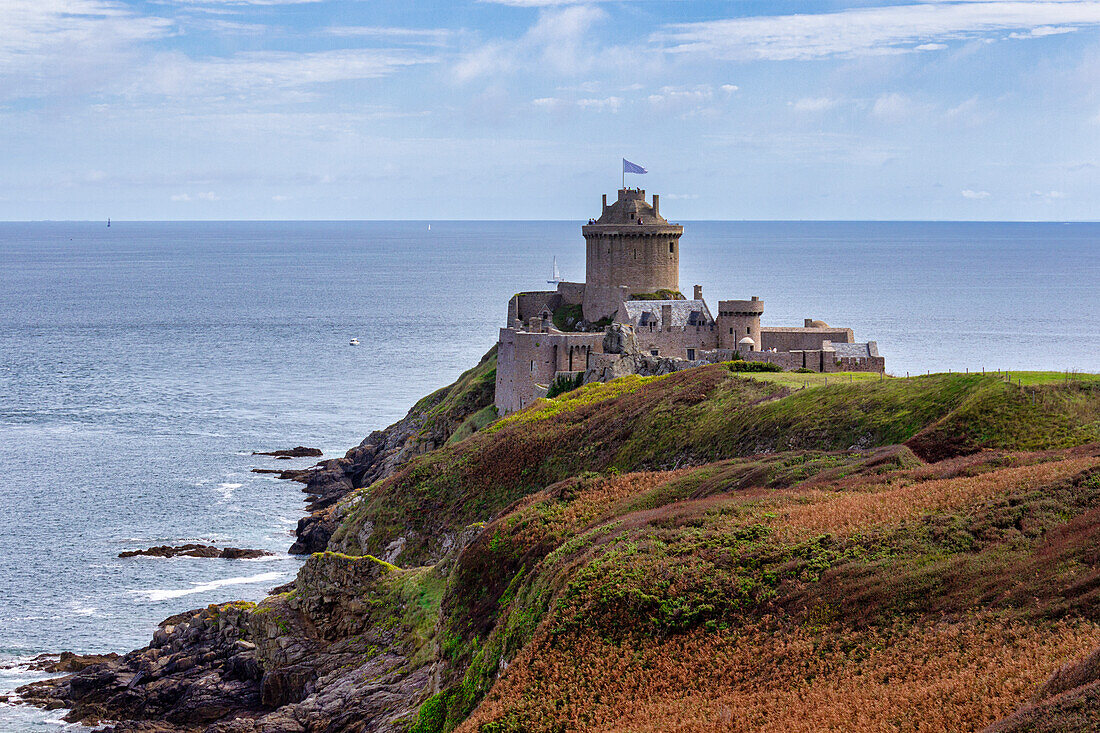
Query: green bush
pixel 804 370
pixel 564 383
pixel 662 294
pixel 432 716
pixel 754 366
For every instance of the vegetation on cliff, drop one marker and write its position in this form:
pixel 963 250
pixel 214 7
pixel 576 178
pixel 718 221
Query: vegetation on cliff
pixel 712 549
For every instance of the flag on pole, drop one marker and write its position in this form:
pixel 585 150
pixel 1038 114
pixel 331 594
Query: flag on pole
pixel 629 167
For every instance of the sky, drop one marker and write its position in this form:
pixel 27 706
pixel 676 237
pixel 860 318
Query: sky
pixel 523 109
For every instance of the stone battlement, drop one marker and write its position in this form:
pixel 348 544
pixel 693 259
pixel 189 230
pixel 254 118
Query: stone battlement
pixel 631 251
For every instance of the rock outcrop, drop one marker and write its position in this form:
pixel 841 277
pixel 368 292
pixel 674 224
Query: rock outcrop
pixel 428 425
pixel 196 550
pixel 333 654
pixel 297 452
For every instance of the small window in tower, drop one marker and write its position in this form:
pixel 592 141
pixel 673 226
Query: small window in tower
pixel 671 247
pixel 731 332
pixel 631 215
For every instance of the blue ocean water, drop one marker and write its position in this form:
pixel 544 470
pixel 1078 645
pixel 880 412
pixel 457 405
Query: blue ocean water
pixel 140 365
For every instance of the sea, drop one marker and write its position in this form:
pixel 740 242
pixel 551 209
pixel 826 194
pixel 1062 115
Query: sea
pixel 142 364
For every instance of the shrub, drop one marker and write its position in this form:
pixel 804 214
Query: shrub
pixel 662 294
pixel 754 366
pixel 564 383
pixel 804 370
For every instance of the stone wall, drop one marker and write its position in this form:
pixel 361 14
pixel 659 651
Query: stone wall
pixel 799 339
pixel 527 362
pixel 676 342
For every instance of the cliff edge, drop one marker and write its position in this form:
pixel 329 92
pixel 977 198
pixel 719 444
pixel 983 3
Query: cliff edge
pixel 709 549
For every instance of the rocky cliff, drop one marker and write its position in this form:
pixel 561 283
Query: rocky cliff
pixel 706 549
pixel 455 411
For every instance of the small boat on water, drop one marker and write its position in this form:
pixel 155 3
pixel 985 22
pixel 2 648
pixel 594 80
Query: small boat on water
pixel 557 275
pixel 353 342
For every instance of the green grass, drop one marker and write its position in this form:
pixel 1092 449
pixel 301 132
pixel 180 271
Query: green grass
pixel 447 409
pixel 1036 378
pixel 794 380
pixel 572 545
pixel 704 415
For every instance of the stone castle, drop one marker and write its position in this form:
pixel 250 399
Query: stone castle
pixel 630 317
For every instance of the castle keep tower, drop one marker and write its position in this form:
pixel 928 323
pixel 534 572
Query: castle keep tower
pixel 631 249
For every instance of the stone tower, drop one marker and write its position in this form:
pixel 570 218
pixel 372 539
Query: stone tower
pixel 631 249
pixel 738 319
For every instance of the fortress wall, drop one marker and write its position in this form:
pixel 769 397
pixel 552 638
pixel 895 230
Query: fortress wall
pixel 528 361
pixel 571 293
pixel 856 364
pixel 531 304
pixel 788 360
pixel 675 343
pixel 798 339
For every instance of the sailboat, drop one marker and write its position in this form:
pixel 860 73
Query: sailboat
pixel 557 275
pixel 108 222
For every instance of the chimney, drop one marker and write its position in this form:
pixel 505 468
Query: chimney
pixel 809 322
pixel 604 204
pixel 666 317
pixel 656 204
pixel 698 292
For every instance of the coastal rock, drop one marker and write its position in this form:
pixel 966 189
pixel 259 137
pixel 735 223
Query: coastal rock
pixel 195 550
pixel 297 452
pixel 428 425
pixel 333 654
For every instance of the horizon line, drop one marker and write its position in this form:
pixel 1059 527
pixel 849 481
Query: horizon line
pixel 582 219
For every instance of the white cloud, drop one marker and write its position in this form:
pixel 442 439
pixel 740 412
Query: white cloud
pixel 181 197
pixel 243 2
pixel 611 104
pixel 970 113
pixel 537 3
pixel 729 88
pixel 814 104
pixel 558 43
pixel 69 45
pixel 414 36
pixel 1048 195
pixel 894 107
pixel 874 31
pixel 208 196
pixel 177 75
pixel 977 195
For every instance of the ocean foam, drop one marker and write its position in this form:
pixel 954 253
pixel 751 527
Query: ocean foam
pixel 158 594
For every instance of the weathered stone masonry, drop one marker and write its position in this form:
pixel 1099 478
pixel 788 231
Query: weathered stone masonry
pixel 632 281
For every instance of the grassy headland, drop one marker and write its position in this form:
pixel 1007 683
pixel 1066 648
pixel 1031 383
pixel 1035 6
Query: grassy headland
pixel 754 551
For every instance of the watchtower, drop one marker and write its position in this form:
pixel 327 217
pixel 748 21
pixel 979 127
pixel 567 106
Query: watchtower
pixel 738 319
pixel 631 249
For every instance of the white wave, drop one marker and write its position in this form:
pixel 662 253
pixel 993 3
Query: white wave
pixel 227 489
pixel 265 558
pixel 158 594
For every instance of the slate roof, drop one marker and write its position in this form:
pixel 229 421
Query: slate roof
pixel 859 350
pixel 684 312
